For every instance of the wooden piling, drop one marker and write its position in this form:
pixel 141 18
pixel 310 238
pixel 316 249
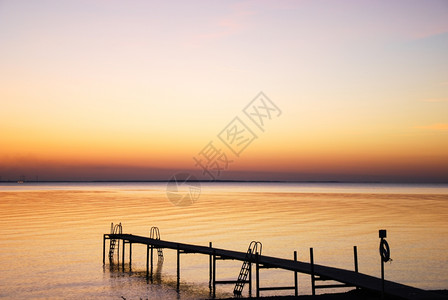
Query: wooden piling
pixel 214 274
pixel 296 279
pixel 104 249
pixel 250 280
pixel 313 279
pixel 355 258
pixel 178 266
pixel 257 275
pixel 382 278
pixel 147 260
pixel 210 266
pixel 152 259
pixel 118 252
pixel 122 262
pixel 130 254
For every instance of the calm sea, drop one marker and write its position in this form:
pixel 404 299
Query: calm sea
pixel 51 235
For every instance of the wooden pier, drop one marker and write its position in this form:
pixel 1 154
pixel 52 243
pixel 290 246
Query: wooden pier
pixel 346 278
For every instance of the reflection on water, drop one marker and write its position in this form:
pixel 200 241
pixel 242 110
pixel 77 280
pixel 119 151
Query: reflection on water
pixel 51 235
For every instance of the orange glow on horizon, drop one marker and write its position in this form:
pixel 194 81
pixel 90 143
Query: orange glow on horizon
pixel 122 99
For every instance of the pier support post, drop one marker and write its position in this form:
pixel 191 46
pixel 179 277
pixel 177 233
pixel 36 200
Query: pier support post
pixel 104 249
pixel 118 252
pixel 210 266
pixel 257 276
pixel 122 262
pixel 147 260
pixel 296 279
pixel 152 260
pixel 250 280
pixel 385 256
pixel 214 274
pixel 130 255
pixel 355 258
pixel 178 267
pixel 382 279
pixel 313 280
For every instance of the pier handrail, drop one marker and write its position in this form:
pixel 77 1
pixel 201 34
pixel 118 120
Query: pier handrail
pixel 117 229
pixel 255 248
pixel 154 233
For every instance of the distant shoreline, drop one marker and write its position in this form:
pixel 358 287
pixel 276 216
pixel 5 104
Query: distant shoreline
pixel 277 181
pixel 220 181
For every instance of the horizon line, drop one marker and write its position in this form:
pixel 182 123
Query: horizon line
pixel 220 181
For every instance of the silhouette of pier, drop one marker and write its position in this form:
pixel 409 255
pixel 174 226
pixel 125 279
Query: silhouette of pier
pixel 345 278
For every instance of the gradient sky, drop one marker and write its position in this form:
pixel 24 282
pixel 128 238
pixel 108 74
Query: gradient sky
pixel 136 89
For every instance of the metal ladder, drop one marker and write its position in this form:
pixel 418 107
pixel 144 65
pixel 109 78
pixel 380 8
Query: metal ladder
pixel 117 229
pixel 154 233
pixel 254 248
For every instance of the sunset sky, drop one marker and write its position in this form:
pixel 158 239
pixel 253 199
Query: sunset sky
pixel 110 90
